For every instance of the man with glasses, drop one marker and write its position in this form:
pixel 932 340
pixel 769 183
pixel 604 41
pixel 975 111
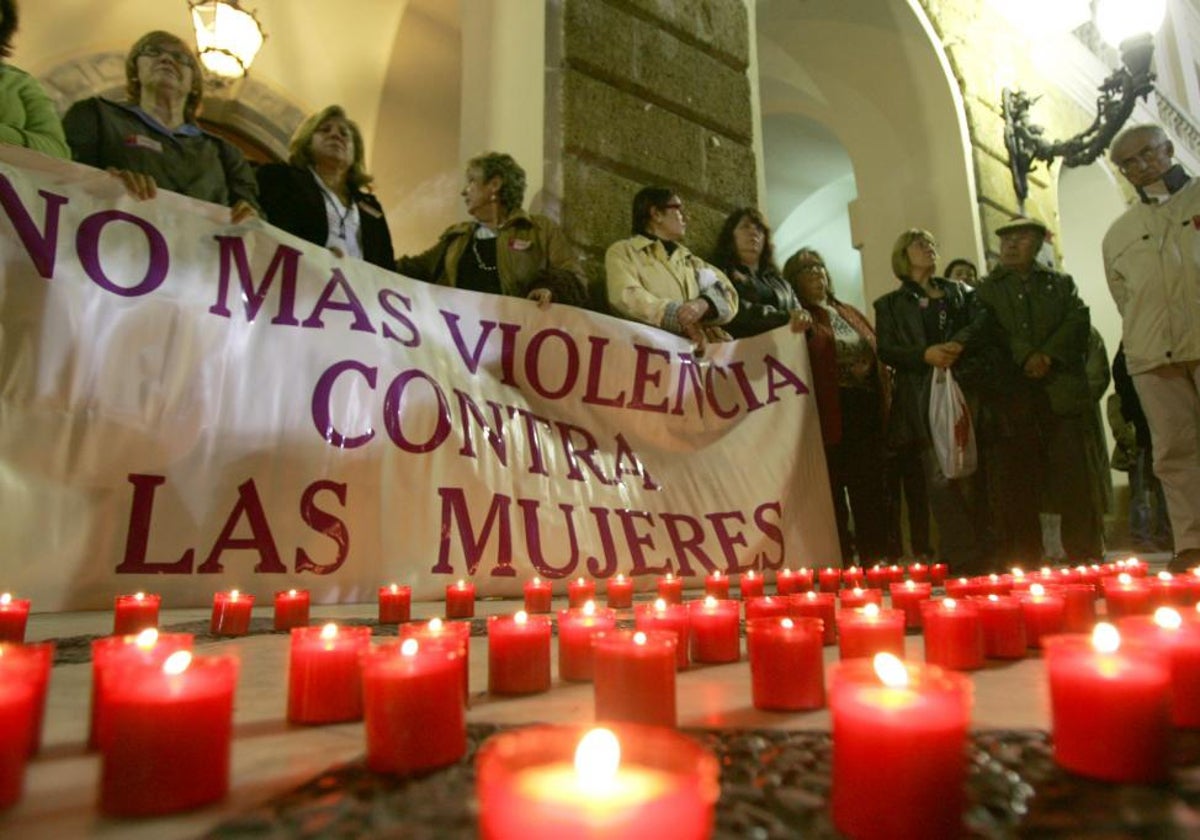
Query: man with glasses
pixel 1152 261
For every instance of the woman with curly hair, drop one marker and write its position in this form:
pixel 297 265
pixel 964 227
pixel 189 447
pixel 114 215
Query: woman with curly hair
pixel 765 300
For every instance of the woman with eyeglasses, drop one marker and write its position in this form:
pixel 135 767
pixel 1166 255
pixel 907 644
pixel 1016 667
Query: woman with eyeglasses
pixel 153 141
pixel 27 116
pixel 851 387
pixel 321 195
pixel 503 250
pixel 928 323
pixel 765 300
pixel 651 277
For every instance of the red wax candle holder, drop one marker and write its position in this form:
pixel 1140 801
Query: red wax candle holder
pixel 672 618
pixel 17 721
pixel 767 606
pixel 135 613
pixel 937 573
pixel 1043 613
pixel 1179 636
pixel 619 591
pixel 580 591
pixel 112 654
pixel 634 676
pixel 460 600
pixel 1110 707
pixel 1126 595
pixel 715 627
pixel 395 604
pixel 918 573
pixel 325 675
pixel 670 589
pixel 576 628
pixel 528 786
pixel 518 654
pixel 853 576
pixel 716 586
pixel 1003 623
pixel 793 581
pixel 953 634
pixel 1167 590
pixel 171 723
pixel 822 605
pixel 453 636
pixel 870 630
pixel 291 609
pixel 14 615
pixel 856 598
pixel 750 585
pixel 908 597
pixel 538 596
pixel 231 613
pixel 30 664
pixel 1079 606
pixel 829 579
pixel 413 716
pixel 787 665
pixel 911 728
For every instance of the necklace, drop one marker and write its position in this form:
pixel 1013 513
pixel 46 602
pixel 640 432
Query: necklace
pixel 475 250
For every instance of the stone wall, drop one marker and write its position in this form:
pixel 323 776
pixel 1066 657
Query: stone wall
pixel 646 92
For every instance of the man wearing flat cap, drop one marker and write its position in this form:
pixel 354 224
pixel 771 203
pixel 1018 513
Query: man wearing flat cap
pixel 1152 261
pixel 1041 400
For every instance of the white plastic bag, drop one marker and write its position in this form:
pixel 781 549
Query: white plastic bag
pixel 950 426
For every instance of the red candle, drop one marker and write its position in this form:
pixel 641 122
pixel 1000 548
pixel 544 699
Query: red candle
pixel 538 595
pixel 817 605
pixel 1110 706
pixel 1043 614
pixel 1126 595
pixel 715 630
pixel 14 615
pixel 877 577
pixel 148 648
pixel 1167 590
pixel 623 783
pixel 170 728
pixel 230 613
pixel 787 666
pixel 1018 581
pixel 767 607
pixel 899 732
pixel 1003 623
pixel 918 573
pixel 620 592
pixel 17 723
pixel 576 627
pixel 750 585
pixel 30 664
pixel 907 597
pixel 395 604
pixel 994 584
pixel 1169 631
pixel 829 579
pixel 937 573
pixel 412 707
pixel 453 636
pixel 634 676
pixel 324 675
pixel 668 617
pixel 716 585
pixel 793 581
pixel 953 634
pixel 134 613
pixel 870 630
pixel 852 577
pixel 1079 606
pixel 670 589
pixel 962 588
pixel 853 599
pixel 291 609
pixel 580 591
pixel 460 600
pixel 518 653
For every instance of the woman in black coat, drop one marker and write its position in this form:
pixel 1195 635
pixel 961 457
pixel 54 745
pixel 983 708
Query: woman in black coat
pixel 320 193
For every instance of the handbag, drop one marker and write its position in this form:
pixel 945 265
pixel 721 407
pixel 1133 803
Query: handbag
pixel 950 426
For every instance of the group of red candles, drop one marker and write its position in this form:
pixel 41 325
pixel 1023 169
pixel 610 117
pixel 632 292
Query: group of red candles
pixel 1113 704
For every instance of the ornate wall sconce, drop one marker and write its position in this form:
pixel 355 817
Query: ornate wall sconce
pixel 227 38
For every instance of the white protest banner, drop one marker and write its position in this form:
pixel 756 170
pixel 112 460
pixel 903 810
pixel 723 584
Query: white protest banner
pixel 187 406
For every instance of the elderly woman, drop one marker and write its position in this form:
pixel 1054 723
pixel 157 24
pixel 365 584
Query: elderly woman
pixel 853 409
pixel 653 278
pixel 765 300
pixel 153 141
pixel 928 323
pixel 27 117
pixel 504 250
pixel 320 193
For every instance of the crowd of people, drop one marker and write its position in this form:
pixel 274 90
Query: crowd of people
pixel 1018 341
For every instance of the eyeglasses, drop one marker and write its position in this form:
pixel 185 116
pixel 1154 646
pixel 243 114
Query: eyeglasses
pixel 1142 157
pixel 158 51
pixel 810 268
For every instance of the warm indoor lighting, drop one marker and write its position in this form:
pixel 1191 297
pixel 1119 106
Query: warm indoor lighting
pixel 890 670
pixel 1120 20
pixel 177 662
pixel 1167 618
pixel 1105 638
pixel 329 632
pixel 597 758
pixel 639 638
pixel 521 617
pixel 589 607
pixel 227 37
pixel 408 647
pixel 147 639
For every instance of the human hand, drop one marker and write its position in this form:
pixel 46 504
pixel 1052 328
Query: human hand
pixel 801 321
pixel 139 185
pixel 691 312
pixel 244 211
pixel 861 369
pixel 541 297
pixel 942 355
pixel 695 334
pixel 1037 365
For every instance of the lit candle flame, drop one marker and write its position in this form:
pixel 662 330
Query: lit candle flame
pixel 435 625
pixel 537 581
pixel 1037 590
pixel 1018 572
pixel 871 610
pixel 660 605
pixel 949 603
pixel 750 574
pixel 521 617
pixel 6 599
pixel 291 593
pixel 787 623
pixel 147 639
pixel 138 596
pixel 597 759
pixel 670 576
pixel 1047 571
pixel 857 592
pixel 329 632
pixel 394 588
pixel 620 578
pixel 812 596
pixel 1169 619
pixel 993 597
pixel 710 602
pixel 890 670
pixel 462 584
pixel 639 638
pixel 1125 579
pixel 582 581
pixel 408 647
pixel 589 607
pixel 1166 577
pixel 994 578
pixel 177 662
pixel 233 594
pixel 1105 638
pixel 909 585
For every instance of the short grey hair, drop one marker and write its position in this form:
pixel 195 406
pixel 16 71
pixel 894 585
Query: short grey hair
pixel 1157 131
